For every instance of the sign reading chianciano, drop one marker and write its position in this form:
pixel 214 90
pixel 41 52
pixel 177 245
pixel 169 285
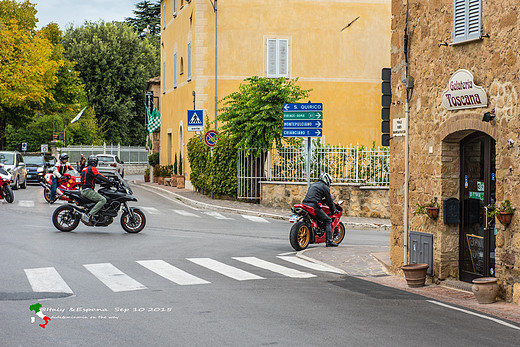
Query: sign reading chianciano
pixel 462 92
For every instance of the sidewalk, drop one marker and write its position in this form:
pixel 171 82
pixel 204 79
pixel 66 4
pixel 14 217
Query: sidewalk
pixel 369 262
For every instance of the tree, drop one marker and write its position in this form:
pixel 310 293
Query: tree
pixel 253 116
pixel 114 65
pixel 147 20
pixel 27 70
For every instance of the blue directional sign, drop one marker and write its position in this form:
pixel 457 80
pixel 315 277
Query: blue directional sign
pixel 195 120
pixel 303 107
pixel 317 124
pixel 301 133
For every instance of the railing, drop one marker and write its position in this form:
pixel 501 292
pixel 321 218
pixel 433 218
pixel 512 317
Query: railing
pixel 353 164
pixel 128 154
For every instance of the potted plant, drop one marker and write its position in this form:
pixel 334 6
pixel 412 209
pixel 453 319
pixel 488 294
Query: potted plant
pixel 173 181
pixel 180 178
pixel 504 212
pixel 147 175
pixel 430 208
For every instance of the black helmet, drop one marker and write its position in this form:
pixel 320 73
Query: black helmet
pixel 326 178
pixel 92 160
pixel 63 157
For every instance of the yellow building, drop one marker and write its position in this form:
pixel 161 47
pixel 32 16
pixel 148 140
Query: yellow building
pixel 337 48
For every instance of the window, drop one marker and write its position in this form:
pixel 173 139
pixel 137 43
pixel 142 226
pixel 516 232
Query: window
pixel 181 67
pixel 277 58
pixel 189 61
pixel 164 15
pixel 467 20
pixel 174 7
pixel 164 77
pixel 175 70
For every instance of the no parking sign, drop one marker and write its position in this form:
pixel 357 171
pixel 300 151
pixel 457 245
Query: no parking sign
pixel 211 138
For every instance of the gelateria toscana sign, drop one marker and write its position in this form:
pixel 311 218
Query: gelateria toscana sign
pixel 463 93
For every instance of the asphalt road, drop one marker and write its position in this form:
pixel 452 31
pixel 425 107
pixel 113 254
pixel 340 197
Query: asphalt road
pixel 196 278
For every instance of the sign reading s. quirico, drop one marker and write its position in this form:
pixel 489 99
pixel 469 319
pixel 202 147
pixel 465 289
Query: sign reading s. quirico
pixel 462 92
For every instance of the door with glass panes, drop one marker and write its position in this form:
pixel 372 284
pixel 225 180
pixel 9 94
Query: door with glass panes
pixel 477 230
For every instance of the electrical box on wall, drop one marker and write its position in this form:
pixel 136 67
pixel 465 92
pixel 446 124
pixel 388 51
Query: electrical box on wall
pixel 421 249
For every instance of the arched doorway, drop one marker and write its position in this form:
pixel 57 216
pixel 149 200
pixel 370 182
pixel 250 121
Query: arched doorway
pixel 477 191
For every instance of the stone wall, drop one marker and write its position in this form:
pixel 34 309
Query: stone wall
pixel 359 201
pixel 435 132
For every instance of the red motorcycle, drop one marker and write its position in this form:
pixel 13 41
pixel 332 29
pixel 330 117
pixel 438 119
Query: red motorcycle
pixel 308 229
pixel 71 180
pixel 5 185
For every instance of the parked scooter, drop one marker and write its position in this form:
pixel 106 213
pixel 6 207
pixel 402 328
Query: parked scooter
pixel 67 217
pixel 308 229
pixel 71 180
pixel 5 185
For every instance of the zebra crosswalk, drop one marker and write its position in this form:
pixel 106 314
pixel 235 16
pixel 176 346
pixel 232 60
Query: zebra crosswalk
pixel 48 279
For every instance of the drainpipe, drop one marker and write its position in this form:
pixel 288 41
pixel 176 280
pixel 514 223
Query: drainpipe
pixel 409 89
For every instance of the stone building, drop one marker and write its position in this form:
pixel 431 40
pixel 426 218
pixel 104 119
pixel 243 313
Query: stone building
pixel 464 135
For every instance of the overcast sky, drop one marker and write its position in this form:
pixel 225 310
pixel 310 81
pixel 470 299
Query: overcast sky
pixel 76 12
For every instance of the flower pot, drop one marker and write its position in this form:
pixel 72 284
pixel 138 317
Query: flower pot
pixel 415 274
pixel 433 212
pixel 173 182
pixel 146 178
pixel 505 217
pixel 160 180
pixel 155 179
pixel 485 289
pixel 180 182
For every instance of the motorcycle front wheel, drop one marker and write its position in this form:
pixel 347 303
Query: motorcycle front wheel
pixel 133 224
pixel 47 194
pixel 64 218
pixel 8 193
pixel 338 234
pixel 300 236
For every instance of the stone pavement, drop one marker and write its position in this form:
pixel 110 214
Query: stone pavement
pixel 369 262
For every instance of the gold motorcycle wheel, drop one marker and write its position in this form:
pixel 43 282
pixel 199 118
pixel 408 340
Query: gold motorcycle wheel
pixel 299 236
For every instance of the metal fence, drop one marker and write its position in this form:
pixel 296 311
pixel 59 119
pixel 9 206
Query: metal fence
pixel 353 164
pixel 128 154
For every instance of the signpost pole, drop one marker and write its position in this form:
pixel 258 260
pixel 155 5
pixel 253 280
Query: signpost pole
pixel 308 162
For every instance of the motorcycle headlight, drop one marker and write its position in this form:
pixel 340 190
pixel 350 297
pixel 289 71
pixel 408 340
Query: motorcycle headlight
pixel 40 169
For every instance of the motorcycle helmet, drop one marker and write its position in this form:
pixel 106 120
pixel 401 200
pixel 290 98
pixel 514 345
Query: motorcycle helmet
pixel 326 178
pixel 92 160
pixel 64 157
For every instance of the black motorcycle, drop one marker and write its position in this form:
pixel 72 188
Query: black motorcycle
pixel 67 217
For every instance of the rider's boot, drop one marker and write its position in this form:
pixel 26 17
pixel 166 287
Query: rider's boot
pixel 330 243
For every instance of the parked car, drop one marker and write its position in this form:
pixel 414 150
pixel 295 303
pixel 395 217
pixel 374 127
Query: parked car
pixel 14 164
pixel 36 167
pixel 51 161
pixel 109 164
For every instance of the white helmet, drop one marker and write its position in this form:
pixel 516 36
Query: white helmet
pixel 326 178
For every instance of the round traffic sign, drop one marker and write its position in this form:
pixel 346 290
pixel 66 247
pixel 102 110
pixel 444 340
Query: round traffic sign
pixel 211 138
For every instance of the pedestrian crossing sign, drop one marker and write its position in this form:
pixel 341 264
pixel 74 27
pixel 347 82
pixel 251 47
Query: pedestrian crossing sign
pixel 195 120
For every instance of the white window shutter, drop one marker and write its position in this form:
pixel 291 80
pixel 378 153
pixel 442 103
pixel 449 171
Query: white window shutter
pixel 283 58
pixel 164 15
pixel 189 61
pixel 474 19
pixel 271 58
pixel 175 70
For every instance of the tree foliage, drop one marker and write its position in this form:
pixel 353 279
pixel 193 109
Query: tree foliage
pixel 147 20
pixel 253 115
pixel 114 65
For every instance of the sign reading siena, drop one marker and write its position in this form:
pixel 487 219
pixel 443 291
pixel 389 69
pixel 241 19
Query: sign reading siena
pixel 463 93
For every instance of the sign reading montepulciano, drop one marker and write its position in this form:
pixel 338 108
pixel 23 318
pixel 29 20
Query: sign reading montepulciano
pixel 463 93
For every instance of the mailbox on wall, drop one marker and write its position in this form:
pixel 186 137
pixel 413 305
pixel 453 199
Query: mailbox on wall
pixel 451 211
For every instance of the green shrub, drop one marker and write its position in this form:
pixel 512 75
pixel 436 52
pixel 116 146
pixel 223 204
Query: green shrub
pixel 153 159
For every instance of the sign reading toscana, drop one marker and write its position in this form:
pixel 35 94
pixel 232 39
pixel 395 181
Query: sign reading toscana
pixel 463 93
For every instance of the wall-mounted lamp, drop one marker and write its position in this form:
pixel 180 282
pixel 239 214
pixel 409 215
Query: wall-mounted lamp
pixel 488 116
pixel 510 143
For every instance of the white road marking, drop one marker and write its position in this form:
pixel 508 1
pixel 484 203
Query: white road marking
pixel 288 253
pixel 216 215
pixel 150 210
pixel 274 267
pixel 475 314
pixel 167 197
pixel 255 219
pixel 47 279
pixel 310 265
pixel 185 213
pixel 171 272
pixel 224 269
pixel 26 203
pixel 113 278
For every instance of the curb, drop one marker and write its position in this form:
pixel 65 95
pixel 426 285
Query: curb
pixel 195 203
pixel 312 260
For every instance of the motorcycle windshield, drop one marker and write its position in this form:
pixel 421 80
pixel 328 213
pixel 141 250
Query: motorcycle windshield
pixel 123 182
pixel 2 171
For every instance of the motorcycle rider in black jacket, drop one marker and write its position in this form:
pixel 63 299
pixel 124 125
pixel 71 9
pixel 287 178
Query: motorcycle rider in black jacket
pixel 320 192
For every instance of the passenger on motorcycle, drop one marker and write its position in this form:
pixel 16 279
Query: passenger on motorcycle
pixel 60 170
pixel 319 192
pixel 89 176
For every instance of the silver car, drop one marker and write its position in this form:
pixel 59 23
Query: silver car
pixel 14 164
pixel 109 164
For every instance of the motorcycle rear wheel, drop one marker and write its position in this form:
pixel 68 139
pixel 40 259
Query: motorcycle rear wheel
pixel 64 218
pixel 8 193
pixel 300 236
pixel 47 194
pixel 133 224
pixel 338 234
